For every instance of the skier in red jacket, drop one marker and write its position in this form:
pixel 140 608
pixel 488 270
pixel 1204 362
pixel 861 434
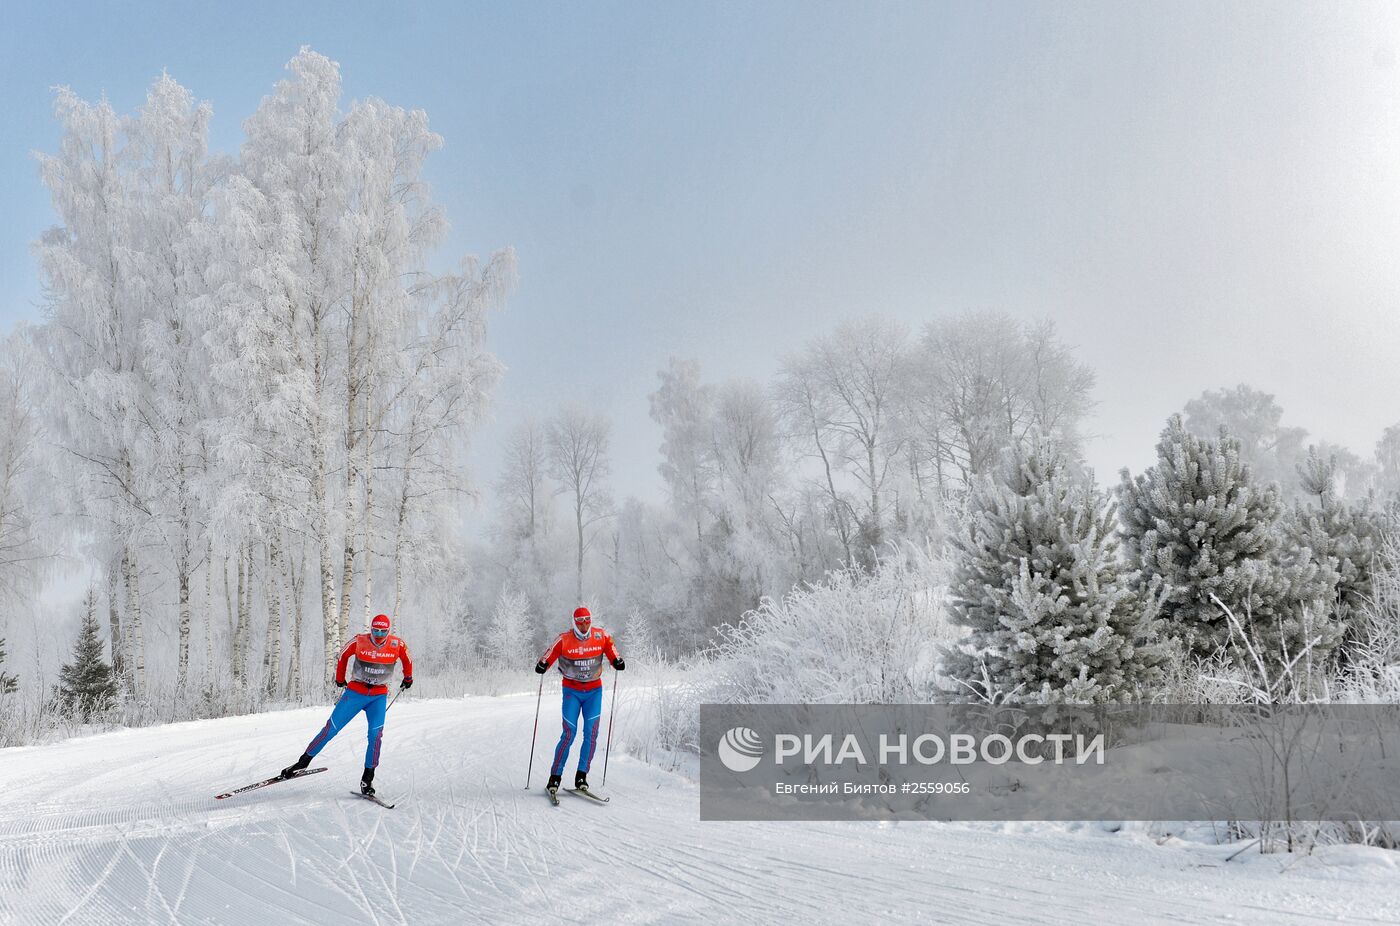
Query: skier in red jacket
pixel 367 688
pixel 580 652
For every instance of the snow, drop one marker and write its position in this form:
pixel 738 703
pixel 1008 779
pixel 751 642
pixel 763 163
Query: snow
pixel 122 827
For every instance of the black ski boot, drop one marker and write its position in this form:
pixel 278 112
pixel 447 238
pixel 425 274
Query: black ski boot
pixel 580 781
pixel 367 782
pixel 297 766
pixel 553 784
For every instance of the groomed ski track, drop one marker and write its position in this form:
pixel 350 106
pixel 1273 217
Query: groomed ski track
pixel 123 828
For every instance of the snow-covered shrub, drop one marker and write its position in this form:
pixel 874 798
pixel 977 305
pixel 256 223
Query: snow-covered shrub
pixel 1288 676
pixel 1371 671
pixel 509 637
pixel 637 638
pixel 858 637
pixel 658 711
pixel 9 684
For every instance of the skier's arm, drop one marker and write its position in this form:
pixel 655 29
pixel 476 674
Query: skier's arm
pixel 407 665
pixel 343 662
pixel 548 658
pixel 610 651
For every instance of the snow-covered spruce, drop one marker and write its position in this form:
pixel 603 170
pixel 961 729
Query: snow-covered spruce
pixel 86 685
pixel 1037 578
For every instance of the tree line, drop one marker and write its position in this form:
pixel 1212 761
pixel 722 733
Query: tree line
pixel 245 411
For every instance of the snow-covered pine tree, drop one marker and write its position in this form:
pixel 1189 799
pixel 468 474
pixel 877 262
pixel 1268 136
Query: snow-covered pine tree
pixel 86 685
pixel 1341 535
pixel 1198 523
pixel 9 684
pixel 1053 615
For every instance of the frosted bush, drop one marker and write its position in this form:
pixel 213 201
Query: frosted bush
pixel 857 637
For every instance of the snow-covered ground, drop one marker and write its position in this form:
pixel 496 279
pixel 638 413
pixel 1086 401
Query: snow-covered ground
pixel 122 828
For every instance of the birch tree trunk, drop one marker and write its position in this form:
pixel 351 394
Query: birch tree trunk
pixel 182 575
pixel 578 520
pixel 240 629
pixel 352 475
pixel 347 563
pixel 137 636
pixel 209 611
pixel 297 585
pixel 369 505
pixel 399 530
pixel 330 621
pixel 114 621
pixel 231 613
pixel 272 655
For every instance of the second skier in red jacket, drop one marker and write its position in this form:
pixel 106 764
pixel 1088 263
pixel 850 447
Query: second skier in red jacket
pixel 580 652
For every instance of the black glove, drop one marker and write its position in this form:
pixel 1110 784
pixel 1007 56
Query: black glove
pixel 618 664
pixel 406 683
pixel 339 683
pixel 542 667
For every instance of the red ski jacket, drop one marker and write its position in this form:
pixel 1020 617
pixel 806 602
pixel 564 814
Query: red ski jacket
pixel 374 663
pixel 581 661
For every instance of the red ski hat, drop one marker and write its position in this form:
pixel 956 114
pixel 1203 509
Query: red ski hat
pixel 380 623
pixel 581 612
pixel 582 622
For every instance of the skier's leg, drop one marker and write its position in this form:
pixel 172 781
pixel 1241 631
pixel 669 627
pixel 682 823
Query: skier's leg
pixel 374 714
pixel 570 706
pixel 350 704
pixel 592 704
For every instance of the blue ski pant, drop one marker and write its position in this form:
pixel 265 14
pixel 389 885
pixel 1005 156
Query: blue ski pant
pixel 589 704
pixel 350 704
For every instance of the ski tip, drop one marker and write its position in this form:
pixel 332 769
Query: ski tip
pixel 270 781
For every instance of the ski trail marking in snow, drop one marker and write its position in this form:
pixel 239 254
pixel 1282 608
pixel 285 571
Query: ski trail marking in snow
pixel 120 828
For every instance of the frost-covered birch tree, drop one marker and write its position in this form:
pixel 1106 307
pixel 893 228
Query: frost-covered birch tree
pixel 578 460
pixel 378 368
pixel 841 396
pixel 92 343
pixel 294 162
pixel 29 526
pixel 172 178
pixel 253 372
pixel 981 383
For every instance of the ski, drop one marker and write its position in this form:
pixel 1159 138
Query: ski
pixel 585 792
pixel 374 798
pixel 553 797
pixel 263 784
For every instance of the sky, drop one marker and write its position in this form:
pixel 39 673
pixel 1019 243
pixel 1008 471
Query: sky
pixel 1198 194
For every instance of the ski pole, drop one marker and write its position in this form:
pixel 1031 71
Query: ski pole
pixel 531 767
pixel 612 711
pixel 393 699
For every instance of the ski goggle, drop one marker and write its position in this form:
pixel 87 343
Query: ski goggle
pixel 583 623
